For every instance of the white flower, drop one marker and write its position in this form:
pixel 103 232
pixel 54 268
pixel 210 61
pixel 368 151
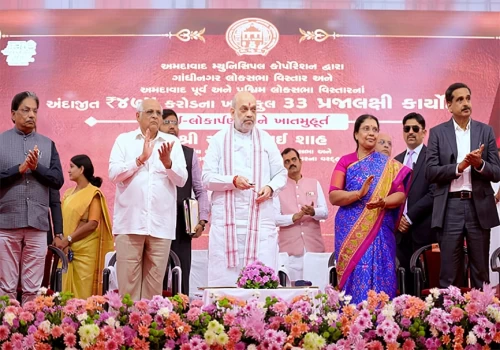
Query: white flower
pixel 45 326
pixel 435 292
pixel 111 322
pixel 56 295
pixel 42 291
pixel 222 339
pixel 251 347
pixel 313 317
pixel 341 295
pixel 332 316
pixel 164 312
pixel 82 317
pixel 210 337
pixel 88 332
pixel 388 311
pixel 256 294
pixel 9 318
pixel 348 299
pixel 471 338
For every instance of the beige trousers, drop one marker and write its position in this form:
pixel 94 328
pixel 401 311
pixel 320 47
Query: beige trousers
pixel 141 263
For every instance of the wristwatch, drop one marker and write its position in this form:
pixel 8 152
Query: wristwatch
pixel 70 239
pixel 203 223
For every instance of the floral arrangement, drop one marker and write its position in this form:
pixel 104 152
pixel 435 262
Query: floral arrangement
pixel 257 276
pixel 328 321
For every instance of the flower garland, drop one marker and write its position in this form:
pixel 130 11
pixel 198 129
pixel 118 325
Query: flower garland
pixel 57 321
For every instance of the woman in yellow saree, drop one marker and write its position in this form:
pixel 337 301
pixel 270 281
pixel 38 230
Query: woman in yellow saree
pixel 87 230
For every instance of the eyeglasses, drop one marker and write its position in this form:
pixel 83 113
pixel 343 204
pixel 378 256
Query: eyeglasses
pixel 173 122
pixel 368 129
pixel 152 113
pixel 415 128
pixel 26 111
pixel 382 142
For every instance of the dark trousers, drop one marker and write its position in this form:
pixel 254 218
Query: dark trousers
pixel 182 247
pixel 461 222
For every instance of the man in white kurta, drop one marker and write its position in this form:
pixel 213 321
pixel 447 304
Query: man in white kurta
pixel 243 168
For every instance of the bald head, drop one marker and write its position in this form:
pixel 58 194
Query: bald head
pixel 384 144
pixel 244 111
pixel 149 116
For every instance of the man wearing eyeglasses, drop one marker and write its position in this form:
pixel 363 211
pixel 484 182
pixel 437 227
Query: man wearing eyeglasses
pixel 182 244
pixel 414 229
pixel 384 144
pixel 29 168
pixel 146 166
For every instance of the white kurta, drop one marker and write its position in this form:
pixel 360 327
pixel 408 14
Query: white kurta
pixel 495 239
pixel 274 174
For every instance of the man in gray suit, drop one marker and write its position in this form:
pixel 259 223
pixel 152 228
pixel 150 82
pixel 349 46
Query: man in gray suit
pixel 462 160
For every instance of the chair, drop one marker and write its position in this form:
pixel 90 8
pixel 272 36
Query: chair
pixel 333 277
pixel 56 272
pixel 316 269
pixel 495 264
pixel 174 265
pixel 425 264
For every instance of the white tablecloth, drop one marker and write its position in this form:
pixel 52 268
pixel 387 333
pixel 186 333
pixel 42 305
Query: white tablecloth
pixel 212 294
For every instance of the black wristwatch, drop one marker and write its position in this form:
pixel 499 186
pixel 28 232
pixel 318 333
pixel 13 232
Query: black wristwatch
pixel 203 223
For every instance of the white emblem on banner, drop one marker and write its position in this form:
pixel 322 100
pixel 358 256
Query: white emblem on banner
pixel 252 36
pixel 20 53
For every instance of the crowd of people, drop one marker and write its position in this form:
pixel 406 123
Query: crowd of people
pixel 260 204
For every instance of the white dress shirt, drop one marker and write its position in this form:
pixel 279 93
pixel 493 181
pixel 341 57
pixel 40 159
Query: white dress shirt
pixel 320 212
pixel 463 183
pixel 414 158
pixel 145 201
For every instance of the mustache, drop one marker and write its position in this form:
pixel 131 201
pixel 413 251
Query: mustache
pixel 465 109
pixel 292 166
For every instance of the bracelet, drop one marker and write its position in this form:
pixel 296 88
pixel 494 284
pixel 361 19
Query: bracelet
pixel 384 203
pixel 358 196
pixel 234 181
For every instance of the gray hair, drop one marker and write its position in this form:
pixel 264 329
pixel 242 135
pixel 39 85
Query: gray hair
pixel 139 106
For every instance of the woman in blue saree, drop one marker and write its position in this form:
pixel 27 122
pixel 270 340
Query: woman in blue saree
pixel 370 190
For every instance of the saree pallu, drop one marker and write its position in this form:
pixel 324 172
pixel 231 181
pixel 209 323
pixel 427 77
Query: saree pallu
pixel 365 244
pixel 84 276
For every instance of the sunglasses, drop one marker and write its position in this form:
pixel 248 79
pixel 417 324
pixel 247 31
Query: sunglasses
pixel 415 128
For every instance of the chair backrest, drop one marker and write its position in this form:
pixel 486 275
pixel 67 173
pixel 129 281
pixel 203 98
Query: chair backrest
pixel 425 264
pixel 55 280
pixel 316 268
pixel 174 264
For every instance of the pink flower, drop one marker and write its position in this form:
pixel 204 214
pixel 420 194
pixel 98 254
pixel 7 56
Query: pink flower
pixel 26 316
pixel 456 314
pixel 193 314
pixel 7 346
pixel 409 344
pixel 70 340
pixel 197 303
pixel 229 319
pixel 57 331
pixel 234 334
pixel 134 318
pixel 4 333
pixel 185 346
pixel 70 309
pixel 375 345
pixel 108 331
pixel 114 300
pixel 146 320
pixel 141 305
pixel 111 345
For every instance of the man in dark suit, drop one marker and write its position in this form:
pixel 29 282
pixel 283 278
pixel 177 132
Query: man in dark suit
pixel 414 229
pixel 462 161
pixel 182 243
